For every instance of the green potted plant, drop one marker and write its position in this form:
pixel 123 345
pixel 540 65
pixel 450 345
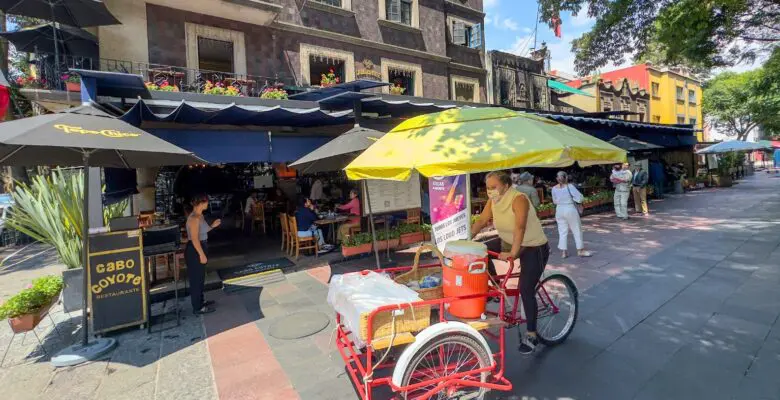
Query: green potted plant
pixel 359 243
pixel 390 238
pixel 274 94
pixel 72 82
pixel 26 309
pixel 411 234
pixel 329 79
pixel 397 89
pixel 545 210
pixel 162 87
pixel 426 230
pixel 725 164
pixel 220 89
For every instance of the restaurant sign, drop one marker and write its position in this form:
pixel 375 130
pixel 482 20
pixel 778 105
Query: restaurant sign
pixel 117 281
pixel 449 209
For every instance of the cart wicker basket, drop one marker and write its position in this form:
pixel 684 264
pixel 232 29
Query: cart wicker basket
pixel 412 319
pixel 415 274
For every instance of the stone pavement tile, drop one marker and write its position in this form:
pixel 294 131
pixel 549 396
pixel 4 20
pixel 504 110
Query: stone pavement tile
pixel 186 374
pixel 26 381
pixel 647 345
pixel 751 310
pixel 758 389
pixel 738 328
pixel 280 289
pixel 80 382
pixel 322 274
pixel 612 376
pixel 679 381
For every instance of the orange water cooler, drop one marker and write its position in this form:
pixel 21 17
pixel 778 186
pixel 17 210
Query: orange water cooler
pixel 464 274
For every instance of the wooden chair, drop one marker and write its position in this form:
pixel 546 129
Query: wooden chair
pixel 286 239
pixel 302 243
pixel 258 216
pixel 413 216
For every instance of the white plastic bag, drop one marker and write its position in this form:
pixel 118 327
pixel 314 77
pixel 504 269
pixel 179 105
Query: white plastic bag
pixel 354 294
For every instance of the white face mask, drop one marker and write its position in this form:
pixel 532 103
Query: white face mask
pixel 494 194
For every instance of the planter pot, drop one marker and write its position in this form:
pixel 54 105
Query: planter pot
pixel 412 238
pixel 545 214
pixel 28 322
pixel 73 290
pixel 385 244
pixel 426 236
pixel 722 181
pixel 73 86
pixel 355 250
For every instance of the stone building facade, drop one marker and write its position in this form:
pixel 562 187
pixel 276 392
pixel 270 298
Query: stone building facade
pixel 621 96
pixel 432 49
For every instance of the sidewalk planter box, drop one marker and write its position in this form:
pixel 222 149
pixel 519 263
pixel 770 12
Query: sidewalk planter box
pixel 385 244
pixel 73 86
pixel 722 181
pixel 27 322
pixel 73 290
pixel 355 250
pixel 412 238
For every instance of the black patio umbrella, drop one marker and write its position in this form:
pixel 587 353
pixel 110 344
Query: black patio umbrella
pixel 85 136
pixel 39 38
pixel 629 144
pixel 336 154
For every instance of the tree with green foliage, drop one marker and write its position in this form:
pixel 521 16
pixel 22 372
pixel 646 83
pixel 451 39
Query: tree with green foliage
pixel 738 103
pixel 701 34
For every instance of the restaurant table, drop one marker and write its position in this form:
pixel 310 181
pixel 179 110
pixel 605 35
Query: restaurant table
pixel 332 221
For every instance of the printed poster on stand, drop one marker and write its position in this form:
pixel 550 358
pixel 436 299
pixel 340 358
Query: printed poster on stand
pixel 449 209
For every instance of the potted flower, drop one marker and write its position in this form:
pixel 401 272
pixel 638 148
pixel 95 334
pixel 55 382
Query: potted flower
pixel 388 239
pixel 220 89
pixel 359 243
pixel 164 86
pixel 545 210
pixel 274 93
pixel 397 89
pixel 329 79
pixel 27 308
pixel 426 230
pixel 411 234
pixel 29 82
pixel 72 82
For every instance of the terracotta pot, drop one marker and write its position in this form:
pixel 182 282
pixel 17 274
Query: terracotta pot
pixel 28 322
pixel 355 250
pixel 426 236
pixel 545 214
pixel 73 86
pixel 412 238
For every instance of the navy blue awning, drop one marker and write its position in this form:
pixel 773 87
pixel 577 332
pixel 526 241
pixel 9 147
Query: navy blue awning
pixel 240 146
pixel 231 114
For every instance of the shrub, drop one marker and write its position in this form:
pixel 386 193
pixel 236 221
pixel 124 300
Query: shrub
pixel 39 294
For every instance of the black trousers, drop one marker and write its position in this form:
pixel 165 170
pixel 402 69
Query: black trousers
pixel 533 260
pixel 196 273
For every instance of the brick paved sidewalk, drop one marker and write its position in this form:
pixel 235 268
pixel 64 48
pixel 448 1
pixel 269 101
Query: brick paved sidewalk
pixel 683 304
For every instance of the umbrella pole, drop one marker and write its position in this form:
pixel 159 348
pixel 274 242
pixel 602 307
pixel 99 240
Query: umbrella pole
pixel 371 223
pixel 56 71
pixel 85 252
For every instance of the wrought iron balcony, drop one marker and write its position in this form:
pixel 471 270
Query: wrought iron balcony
pixel 158 76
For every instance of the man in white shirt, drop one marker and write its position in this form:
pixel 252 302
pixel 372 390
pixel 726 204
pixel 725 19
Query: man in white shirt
pixel 621 178
pixel 316 190
pixel 249 205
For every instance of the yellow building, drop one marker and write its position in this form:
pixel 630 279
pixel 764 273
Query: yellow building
pixel 675 98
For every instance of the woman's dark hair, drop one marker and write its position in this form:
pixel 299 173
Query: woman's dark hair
pixel 187 209
pixel 198 199
pixel 303 200
pixel 502 177
pixel 355 191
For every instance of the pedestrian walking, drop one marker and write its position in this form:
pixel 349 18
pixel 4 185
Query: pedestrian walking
pixel 567 199
pixel 621 178
pixel 196 253
pixel 639 187
pixel 524 183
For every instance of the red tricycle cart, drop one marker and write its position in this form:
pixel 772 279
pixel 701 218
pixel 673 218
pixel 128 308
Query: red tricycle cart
pixel 421 352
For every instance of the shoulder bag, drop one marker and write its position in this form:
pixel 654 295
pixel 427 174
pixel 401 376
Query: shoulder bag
pixel 578 206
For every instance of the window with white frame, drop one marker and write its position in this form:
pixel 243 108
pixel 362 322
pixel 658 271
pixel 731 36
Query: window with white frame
pixel 404 12
pixel 321 66
pixel 680 96
pixel 464 89
pixel 692 96
pixel 333 3
pixel 465 33
pixel 404 78
pixel 215 49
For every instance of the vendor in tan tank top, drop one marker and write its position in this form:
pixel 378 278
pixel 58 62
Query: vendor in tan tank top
pixel 521 238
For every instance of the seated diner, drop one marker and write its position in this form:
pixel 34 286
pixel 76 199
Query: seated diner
pixel 351 208
pixel 305 216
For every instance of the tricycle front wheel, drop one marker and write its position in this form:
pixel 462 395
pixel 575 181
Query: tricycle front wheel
pixel 445 357
pixel 557 305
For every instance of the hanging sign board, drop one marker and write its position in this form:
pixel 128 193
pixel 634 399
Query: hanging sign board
pixel 117 280
pixel 390 196
pixel 449 209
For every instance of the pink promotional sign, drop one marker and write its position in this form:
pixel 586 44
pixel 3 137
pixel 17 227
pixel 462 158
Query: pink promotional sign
pixel 449 208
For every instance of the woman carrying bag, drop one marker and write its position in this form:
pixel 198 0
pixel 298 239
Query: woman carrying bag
pixel 568 207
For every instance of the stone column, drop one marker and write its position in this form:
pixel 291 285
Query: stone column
pixel 144 200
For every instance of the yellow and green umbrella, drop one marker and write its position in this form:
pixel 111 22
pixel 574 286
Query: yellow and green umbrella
pixel 471 140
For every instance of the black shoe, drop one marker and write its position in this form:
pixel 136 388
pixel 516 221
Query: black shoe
pixel 528 344
pixel 204 310
pixel 208 303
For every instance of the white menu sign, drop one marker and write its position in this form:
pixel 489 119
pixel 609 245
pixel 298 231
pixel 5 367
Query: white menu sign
pixel 390 196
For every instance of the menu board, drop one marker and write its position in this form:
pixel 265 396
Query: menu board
pixel 390 196
pixel 117 280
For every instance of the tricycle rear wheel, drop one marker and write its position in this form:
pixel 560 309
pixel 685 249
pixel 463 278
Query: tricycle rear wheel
pixel 458 353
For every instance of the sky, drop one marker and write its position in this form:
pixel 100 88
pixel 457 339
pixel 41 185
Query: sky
pixel 510 24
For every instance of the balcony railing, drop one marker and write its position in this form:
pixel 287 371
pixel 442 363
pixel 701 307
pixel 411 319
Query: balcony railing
pixel 175 78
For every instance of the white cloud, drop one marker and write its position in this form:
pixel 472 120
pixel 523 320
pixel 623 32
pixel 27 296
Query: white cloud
pixel 510 24
pixel 489 3
pixel 520 45
pixel 527 29
pixel 581 20
pixel 488 20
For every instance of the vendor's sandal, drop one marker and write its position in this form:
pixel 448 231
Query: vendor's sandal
pixel 204 310
pixel 584 253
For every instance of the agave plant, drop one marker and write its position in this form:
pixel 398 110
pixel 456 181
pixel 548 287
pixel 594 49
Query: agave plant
pixel 50 210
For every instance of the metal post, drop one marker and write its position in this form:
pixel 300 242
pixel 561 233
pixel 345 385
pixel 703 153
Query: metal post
pixel 85 252
pixel 56 71
pixel 371 223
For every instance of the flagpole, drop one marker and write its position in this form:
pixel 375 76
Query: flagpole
pixel 536 27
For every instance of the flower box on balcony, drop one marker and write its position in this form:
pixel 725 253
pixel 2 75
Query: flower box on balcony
pixel 73 86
